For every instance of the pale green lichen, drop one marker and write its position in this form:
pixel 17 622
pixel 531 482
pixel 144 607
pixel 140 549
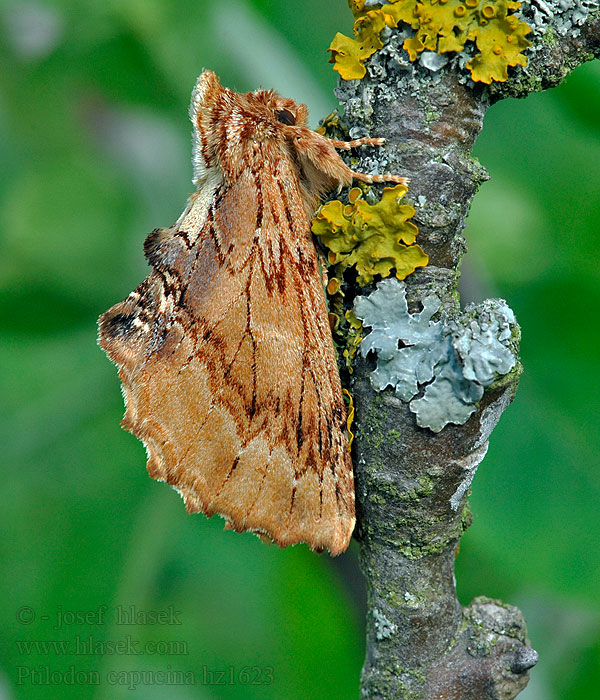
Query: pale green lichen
pixel 442 26
pixel 394 436
pixel 384 629
pixel 452 361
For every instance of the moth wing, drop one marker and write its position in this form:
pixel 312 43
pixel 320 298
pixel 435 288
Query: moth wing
pixel 230 374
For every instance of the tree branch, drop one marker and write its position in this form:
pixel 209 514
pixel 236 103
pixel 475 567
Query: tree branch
pixel 412 483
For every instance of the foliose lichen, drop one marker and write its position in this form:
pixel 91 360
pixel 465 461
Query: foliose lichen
pixel 384 629
pixel 440 26
pixel 450 361
pixel 375 239
pixel 354 336
pixel 567 16
pixel 348 55
pixel 349 401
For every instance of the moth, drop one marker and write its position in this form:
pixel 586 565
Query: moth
pixel 225 350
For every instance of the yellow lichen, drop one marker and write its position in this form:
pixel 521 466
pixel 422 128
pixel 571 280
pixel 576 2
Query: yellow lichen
pixel 357 6
pixel 354 336
pixel 500 42
pixel 347 57
pixel 445 25
pixel 350 414
pixel 332 128
pixel 444 21
pixel 442 26
pixel 373 238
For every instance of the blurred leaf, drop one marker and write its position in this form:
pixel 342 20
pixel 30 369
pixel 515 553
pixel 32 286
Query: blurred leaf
pixel 59 230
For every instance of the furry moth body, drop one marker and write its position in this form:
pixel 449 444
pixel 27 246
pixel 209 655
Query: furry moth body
pixel 225 350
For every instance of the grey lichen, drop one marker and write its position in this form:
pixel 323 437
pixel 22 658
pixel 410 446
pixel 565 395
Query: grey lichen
pixel 433 61
pixel 384 629
pixel 482 340
pixel 451 360
pixel 565 15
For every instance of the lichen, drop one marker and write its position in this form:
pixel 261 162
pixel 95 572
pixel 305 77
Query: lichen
pixel 440 26
pixel 354 337
pixel 412 551
pixel 332 127
pixel 371 431
pixel 372 238
pixel 384 629
pixel 394 436
pixel 558 16
pixel 350 415
pixel 449 361
pixel 500 42
pixel 348 55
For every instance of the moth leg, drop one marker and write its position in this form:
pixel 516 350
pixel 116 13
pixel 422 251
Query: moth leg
pixel 347 145
pixel 370 179
pixel 363 177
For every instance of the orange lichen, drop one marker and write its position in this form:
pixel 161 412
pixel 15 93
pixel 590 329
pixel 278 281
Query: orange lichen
pixel 442 26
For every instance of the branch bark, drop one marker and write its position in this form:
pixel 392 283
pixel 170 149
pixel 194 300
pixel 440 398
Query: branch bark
pixel 412 484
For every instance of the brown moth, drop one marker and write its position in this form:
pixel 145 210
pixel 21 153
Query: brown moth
pixel 225 350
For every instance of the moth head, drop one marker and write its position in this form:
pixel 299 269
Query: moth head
pixel 270 115
pixel 229 126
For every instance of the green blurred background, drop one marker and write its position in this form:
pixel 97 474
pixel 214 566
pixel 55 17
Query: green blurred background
pixel 95 153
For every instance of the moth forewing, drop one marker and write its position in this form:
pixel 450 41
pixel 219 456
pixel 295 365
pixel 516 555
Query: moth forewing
pixel 225 350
